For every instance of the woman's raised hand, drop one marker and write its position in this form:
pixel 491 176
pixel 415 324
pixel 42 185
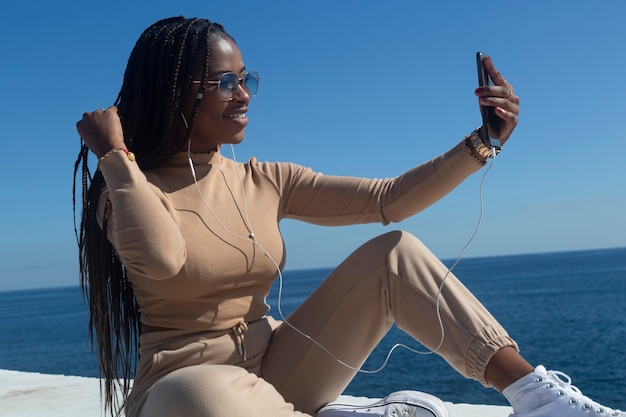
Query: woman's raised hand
pixel 502 97
pixel 102 131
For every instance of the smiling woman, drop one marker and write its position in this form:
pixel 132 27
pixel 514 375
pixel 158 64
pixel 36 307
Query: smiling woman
pixel 179 247
pixel 222 113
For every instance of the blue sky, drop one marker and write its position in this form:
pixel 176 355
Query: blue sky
pixel 366 88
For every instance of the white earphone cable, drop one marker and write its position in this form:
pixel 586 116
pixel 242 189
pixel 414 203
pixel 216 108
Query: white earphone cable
pixel 252 238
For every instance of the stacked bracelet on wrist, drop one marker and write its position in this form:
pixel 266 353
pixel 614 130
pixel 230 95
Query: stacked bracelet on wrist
pixel 478 146
pixel 129 155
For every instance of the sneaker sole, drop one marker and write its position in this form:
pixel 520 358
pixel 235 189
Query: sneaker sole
pixel 429 403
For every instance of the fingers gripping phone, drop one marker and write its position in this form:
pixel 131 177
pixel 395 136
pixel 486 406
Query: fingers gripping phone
pixel 488 113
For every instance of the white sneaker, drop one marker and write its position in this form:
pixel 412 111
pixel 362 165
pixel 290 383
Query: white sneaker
pixel 397 404
pixel 550 394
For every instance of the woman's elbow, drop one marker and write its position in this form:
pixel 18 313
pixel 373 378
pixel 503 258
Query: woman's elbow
pixel 159 266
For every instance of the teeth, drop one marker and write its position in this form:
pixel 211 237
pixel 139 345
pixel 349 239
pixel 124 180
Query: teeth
pixel 236 115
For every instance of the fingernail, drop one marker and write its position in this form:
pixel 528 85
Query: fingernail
pixel 478 90
pixel 487 58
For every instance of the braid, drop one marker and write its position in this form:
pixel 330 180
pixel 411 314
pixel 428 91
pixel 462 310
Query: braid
pixel 157 79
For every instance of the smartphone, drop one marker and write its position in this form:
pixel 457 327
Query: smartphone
pixel 488 113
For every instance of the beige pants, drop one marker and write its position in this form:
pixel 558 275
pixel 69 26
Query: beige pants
pixel 392 278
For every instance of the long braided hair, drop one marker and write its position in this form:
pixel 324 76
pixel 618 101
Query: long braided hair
pixel 156 82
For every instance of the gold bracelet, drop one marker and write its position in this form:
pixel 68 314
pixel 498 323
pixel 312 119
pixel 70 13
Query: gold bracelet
pixel 477 146
pixel 129 155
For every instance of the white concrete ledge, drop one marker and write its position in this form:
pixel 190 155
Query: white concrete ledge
pixel 28 394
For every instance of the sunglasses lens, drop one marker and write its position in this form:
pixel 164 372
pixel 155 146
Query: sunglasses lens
pixel 228 85
pixel 251 82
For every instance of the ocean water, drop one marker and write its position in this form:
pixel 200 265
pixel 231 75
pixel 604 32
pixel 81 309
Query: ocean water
pixel 566 310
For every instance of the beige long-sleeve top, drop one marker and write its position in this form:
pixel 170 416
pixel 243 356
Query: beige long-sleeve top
pixel 190 262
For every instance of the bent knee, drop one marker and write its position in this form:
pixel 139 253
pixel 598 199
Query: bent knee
pixel 401 241
pixel 407 256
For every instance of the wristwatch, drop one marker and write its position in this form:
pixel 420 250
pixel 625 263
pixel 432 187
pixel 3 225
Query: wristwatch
pixel 476 143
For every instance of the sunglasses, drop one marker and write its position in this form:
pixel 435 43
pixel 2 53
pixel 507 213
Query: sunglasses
pixel 229 83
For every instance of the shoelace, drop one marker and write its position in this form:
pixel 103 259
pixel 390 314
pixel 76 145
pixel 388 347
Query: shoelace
pixel 576 396
pixel 408 411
